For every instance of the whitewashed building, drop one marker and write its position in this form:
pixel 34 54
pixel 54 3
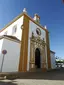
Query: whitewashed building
pixel 27 45
pixel 53 59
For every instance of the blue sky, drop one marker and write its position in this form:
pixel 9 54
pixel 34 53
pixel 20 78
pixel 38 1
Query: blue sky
pixel 51 13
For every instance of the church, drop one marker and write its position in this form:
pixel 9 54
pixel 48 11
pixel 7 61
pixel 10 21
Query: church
pixel 27 45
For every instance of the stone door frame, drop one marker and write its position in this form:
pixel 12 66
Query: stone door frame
pixel 36 42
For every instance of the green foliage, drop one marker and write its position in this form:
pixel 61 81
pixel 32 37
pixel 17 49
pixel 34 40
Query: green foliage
pixel 59 61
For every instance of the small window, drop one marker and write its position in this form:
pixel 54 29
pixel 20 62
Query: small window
pixel 14 29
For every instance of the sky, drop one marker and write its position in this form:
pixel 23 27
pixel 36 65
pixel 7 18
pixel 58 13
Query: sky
pixel 51 14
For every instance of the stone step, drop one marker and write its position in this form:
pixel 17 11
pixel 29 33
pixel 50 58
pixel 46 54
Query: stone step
pixel 27 75
pixel 3 77
pixel 15 75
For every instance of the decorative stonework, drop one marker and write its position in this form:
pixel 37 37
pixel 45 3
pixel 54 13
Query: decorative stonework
pixel 37 42
pixel 38 31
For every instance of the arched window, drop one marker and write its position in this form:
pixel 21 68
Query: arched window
pixel 14 29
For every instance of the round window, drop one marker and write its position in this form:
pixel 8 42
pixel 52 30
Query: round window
pixel 38 31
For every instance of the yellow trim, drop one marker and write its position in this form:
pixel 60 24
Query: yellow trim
pixel 36 23
pixel 18 18
pixel 24 46
pixel 12 22
pixel 48 50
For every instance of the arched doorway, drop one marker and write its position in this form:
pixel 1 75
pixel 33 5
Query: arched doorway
pixel 37 58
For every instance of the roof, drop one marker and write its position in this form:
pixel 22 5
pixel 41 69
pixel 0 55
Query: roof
pixel 18 18
pixel 52 51
pixel 12 38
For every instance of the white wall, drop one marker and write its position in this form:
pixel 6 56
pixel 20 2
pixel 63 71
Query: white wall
pixel 32 28
pixel 9 29
pixel 52 55
pixel 1 42
pixel 11 59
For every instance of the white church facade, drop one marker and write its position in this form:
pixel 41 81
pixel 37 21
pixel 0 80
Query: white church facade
pixel 27 45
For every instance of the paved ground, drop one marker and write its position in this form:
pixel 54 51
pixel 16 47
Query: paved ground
pixel 49 78
pixel 32 82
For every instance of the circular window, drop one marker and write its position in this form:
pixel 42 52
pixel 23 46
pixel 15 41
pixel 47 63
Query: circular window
pixel 38 31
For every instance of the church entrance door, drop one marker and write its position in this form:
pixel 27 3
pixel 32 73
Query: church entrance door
pixel 37 58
